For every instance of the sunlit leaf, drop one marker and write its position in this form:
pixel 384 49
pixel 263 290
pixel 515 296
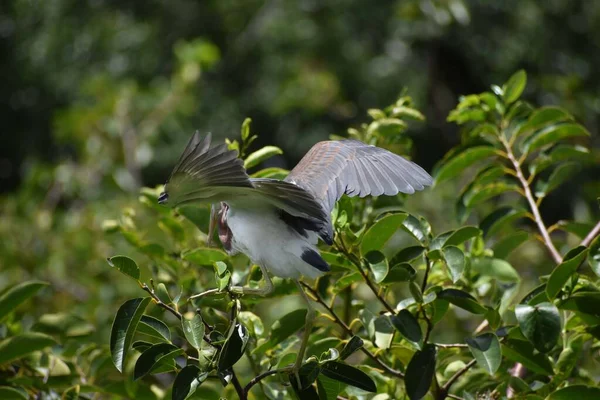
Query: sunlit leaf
pixel 514 87
pixel 415 228
pixel 261 155
pixel 419 372
pixel 495 268
pixel 205 256
pixel 329 389
pixel 123 329
pixel 380 232
pixel 16 295
pixel 454 166
pixel 387 126
pixel 193 329
pixel 486 350
pixel 378 265
pixel 561 274
pixel 18 346
pixel 349 375
pixel 455 260
pixel 540 324
pixel 552 134
pixel 384 332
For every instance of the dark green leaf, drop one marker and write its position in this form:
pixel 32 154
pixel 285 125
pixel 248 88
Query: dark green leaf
pixel 462 299
pixel 416 292
pixel 585 302
pixel 455 165
pixel 154 356
pixel 495 268
pixel 544 116
pixel 283 328
pixel 561 174
pixel 380 232
pixel 18 346
pixel 407 325
pixel 505 246
pixel 461 235
pixel 593 255
pixel 378 265
pixel 329 389
pixel 403 272
pixel 16 295
pixel 486 192
pixel 125 265
pixel 10 393
pixel 579 392
pixel 193 329
pixel 562 152
pixel 419 372
pixel 205 256
pixel 552 134
pixel 514 87
pixel 349 375
pixel 308 374
pixel 413 226
pixel 157 325
pixel 438 242
pixel 580 229
pixel 123 329
pixel 234 347
pixel 492 223
pixel 186 382
pixel 307 393
pixel 486 350
pixel 323 346
pixel 540 324
pixel 564 270
pixel 407 254
pixel 261 155
pixel 522 352
pixel 536 295
pixel 198 215
pixel 141 345
pixel 353 345
pixel 455 260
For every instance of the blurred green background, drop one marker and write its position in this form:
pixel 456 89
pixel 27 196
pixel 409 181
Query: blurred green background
pixel 99 98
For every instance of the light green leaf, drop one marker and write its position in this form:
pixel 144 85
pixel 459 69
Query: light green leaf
pixel 346 280
pixel 419 372
pixel 455 165
pixel 387 126
pixel 515 86
pixel 540 324
pixel 123 329
pixel 486 350
pixel 552 134
pixel 261 155
pixel 193 329
pixel 486 192
pixel 455 260
pixel 561 274
pixel 579 392
pixel 16 295
pixel 495 268
pixel 349 375
pixel 562 152
pixel 18 346
pixel 378 265
pixel 329 389
pixel 384 332
pixel 461 235
pixel 381 231
pixel 205 256
pixel 415 228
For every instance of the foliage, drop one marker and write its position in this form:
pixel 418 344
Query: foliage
pixel 407 311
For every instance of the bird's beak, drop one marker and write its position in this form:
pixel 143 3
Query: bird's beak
pixel 212 223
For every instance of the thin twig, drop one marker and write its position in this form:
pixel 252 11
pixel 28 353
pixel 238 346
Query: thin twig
pixel 160 303
pixel 347 329
pixel 455 377
pixel 590 236
pixel 238 387
pixel 450 345
pixel 259 378
pixel 532 203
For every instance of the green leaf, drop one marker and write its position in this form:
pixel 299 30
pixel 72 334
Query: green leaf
pixel 187 381
pixel 495 268
pixel 544 116
pixel 461 235
pixel 492 223
pixel 486 350
pixel 10 393
pixel 561 274
pixel 234 348
pixel 407 254
pixel 505 246
pixel 123 329
pixel 419 372
pixel 205 256
pixel 154 356
pixel 261 155
pixel 562 152
pixel 378 265
pixel 585 302
pixel 337 260
pixel 16 295
pixel 380 232
pixel 222 275
pixel 579 229
pixel 353 345
pixel 515 86
pixel 198 215
pixel 522 352
pixel 125 265
pixel 455 165
pixel 561 174
pixel 18 346
pixel 245 130
pixel 552 134
pixel 486 192
pixel 163 294
pixel 407 325
pixel 463 300
pixel 308 374
pixel 271 173
pixel 540 324
pixel 329 389
pixel 593 255
pixel 455 260
pixel 346 280
pixel 349 375
pixel 402 272
pixel 384 332
pixel 387 126
pixel 415 228
pixel 579 392
pixel 157 326
pixel 193 329
pixel 283 328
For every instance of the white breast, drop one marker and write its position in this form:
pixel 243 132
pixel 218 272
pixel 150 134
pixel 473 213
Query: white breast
pixel 268 241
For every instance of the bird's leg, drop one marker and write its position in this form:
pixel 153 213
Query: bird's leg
pixel 242 290
pixel 310 317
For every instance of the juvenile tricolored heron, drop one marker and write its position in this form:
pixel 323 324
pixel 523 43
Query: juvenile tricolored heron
pixel 277 223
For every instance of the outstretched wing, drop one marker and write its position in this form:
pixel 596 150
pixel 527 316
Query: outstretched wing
pixel 205 174
pixel 333 168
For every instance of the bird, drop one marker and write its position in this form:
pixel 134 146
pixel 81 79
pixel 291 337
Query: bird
pixel 278 223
